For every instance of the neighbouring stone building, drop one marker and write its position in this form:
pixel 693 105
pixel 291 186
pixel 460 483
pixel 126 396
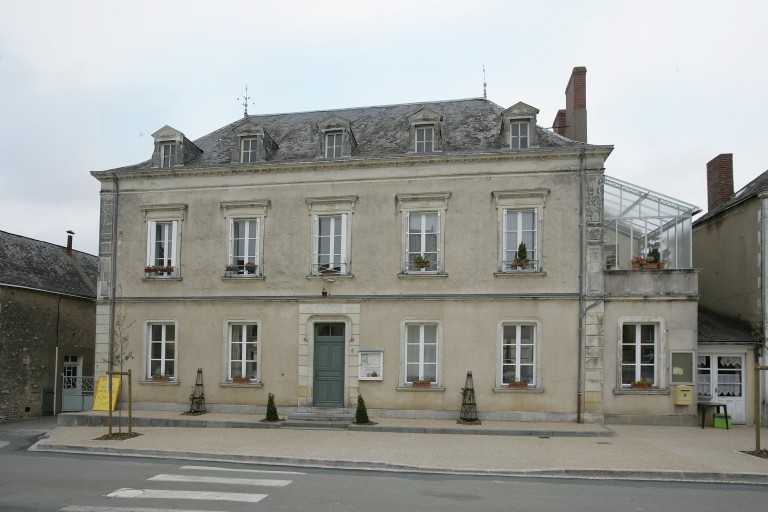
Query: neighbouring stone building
pixel 47 324
pixel 376 251
pixel 730 250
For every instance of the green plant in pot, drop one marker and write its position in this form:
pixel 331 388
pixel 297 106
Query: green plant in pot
pixel 521 258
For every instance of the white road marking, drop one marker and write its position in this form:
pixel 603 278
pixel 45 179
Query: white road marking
pixel 214 468
pixel 187 495
pixel 220 480
pixel 88 508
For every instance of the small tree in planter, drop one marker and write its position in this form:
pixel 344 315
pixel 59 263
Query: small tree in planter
pixel 361 414
pixel 271 409
pixel 521 259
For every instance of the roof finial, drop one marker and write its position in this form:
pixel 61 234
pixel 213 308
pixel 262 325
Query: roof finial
pixel 245 101
pixel 485 96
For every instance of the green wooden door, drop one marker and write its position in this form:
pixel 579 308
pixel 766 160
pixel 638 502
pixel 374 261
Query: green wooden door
pixel 329 365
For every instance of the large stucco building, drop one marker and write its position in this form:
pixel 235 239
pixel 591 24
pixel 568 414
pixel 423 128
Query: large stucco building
pixel 283 253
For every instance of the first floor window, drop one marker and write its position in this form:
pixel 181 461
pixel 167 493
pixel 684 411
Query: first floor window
pixel 519 227
pixel 333 145
pixel 518 354
pixel 162 350
pixel 424 139
pixel 250 151
pixel 421 352
pixel 423 241
pixel 244 245
pixel 169 155
pixel 518 134
pixel 330 244
pixel 161 245
pixel 243 351
pixel 638 353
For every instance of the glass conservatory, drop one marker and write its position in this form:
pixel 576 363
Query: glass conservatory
pixel 637 220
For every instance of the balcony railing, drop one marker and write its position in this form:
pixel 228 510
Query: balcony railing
pixel 412 267
pixel 513 266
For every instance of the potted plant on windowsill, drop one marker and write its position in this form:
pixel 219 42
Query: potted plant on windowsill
pixel 637 262
pixel 250 267
pixel 159 377
pixel 517 384
pixel 239 379
pixel 642 384
pixel 150 269
pixel 419 383
pixel 168 269
pixel 231 269
pixel 420 262
pixel 652 259
pixel 521 258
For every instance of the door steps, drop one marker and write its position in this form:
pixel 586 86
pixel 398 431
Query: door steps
pixel 320 418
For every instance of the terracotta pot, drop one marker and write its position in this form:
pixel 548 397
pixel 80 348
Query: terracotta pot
pixel 518 385
pixel 650 266
pixel 241 380
pixel 422 384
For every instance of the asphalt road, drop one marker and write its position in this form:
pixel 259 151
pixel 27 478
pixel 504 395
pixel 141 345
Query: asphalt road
pixel 32 481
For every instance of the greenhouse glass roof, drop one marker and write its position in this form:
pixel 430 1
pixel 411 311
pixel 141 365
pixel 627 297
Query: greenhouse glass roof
pixel 637 220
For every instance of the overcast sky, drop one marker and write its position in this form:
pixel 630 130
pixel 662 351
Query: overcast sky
pixel 84 84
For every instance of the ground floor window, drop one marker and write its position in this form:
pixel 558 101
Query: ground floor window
pixel 638 354
pixel 243 351
pixel 518 354
pixel 162 351
pixel 421 351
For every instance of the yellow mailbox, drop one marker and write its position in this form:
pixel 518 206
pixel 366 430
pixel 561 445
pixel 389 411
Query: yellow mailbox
pixel 683 395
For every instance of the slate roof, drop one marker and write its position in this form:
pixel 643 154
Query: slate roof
pixel 714 328
pixel 27 263
pixel 751 189
pixel 468 126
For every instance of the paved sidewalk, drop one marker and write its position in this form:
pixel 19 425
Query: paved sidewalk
pixel 439 446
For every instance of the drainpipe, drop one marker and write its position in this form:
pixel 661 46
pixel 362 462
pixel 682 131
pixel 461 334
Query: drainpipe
pixel 579 393
pixel 56 361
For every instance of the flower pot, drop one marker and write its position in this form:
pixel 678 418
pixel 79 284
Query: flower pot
pixel 641 386
pixel 650 266
pixel 421 384
pixel 662 265
pixel 421 264
pixel 635 266
pixel 517 385
pixel 161 378
pixel 241 380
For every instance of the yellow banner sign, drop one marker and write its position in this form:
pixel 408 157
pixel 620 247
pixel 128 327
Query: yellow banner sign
pixel 100 401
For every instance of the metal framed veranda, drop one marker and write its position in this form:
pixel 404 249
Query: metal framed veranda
pixel 637 220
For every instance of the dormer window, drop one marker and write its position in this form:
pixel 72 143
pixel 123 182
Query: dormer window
pixel 336 137
pixel 250 151
pixel 425 132
pixel 425 138
pixel 519 126
pixel 172 148
pixel 518 134
pixel 255 144
pixel 169 154
pixel 333 144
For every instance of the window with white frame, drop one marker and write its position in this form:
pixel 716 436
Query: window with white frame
pixel 520 218
pixel 333 144
pixel 518 353
pixel 423 227
pixel 331 227
pixel 163 234
pixel 423 250
pixel 169 155
pixel 519 226
pixel 330 244
pixel 421 353
pixel 244 246
pixel 243 341
pixel 639 353
pixel 162 350
pixel 518 135
pixel 249 150
pixel 425 137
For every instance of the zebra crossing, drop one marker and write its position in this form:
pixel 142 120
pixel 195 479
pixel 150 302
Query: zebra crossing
pixel 208 487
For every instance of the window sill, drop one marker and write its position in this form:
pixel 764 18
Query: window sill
pixel 160 382
pixel 229 384
pixel 242 278
pixel 422 274
pixel 518 273
pixel 518 390
pixel 420 389
pixel 158 279
pixel 641 391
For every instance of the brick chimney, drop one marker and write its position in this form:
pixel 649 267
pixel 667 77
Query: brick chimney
pixel 719 180
pixel 572 122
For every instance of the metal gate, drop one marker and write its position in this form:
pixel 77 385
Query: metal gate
pixel 76 393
